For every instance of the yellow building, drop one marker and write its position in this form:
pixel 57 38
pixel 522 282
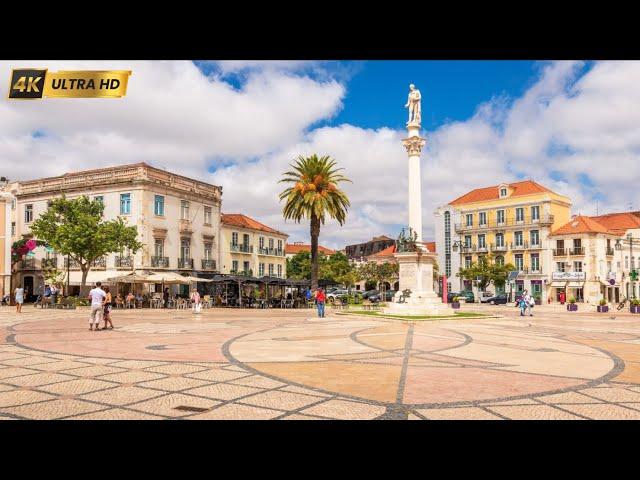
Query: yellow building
pixel 511 221
pixel 250 247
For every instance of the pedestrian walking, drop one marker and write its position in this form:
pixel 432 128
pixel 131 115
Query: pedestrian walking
pixel 54 295
pixel 96 295
pixel 165 297
pixel 530 301
pixel 107 306
pixel 19 294
pixel 563 297
pixel 523 303
pixel 195 299
pixel 320 301
pixel 47 295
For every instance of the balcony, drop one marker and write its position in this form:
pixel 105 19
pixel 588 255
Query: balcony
pixel 124 262
pixel 535 246
pixel 576 251
pixel 50 263
pixel 520 246
pixel 209 265
pixel 498 248
pixel 482 249
pixel 100 262
pixel 468 248
pixel 270 251
pixel 71 263
pixel 560 252
pixel 242 248
pixel 508 222
pixel 185 263
pixel 609 251
pixel 28 264
pixel 185 226
pixel 160 262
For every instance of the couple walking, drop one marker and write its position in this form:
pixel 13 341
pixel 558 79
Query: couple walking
pixel 526 303
pixel 100 307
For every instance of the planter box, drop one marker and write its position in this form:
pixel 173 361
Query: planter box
pixel 603 308
pixel 572 307
pixel 455 304
pixel 538 302
pixel 634 309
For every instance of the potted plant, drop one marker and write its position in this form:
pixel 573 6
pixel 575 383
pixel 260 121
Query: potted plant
pixel 635 306
pixel 455 302
pixel 603 307
pixel 572 306
pixel 537 299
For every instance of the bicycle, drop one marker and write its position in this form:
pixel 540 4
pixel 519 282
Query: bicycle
pixel 623 303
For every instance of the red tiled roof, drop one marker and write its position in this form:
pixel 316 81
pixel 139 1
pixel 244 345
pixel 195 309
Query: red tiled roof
pixel 242 221
pixel 581 224
pixel 611 223
pixel 526 187
pixel 620 222
pixel 295 248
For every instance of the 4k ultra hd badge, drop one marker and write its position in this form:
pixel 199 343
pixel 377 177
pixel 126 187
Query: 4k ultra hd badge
pixel 27 83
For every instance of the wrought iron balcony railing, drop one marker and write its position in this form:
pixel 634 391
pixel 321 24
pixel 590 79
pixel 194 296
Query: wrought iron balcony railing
pixel 498 248
pixel 50 263
pixel 241 247
pixel 208 265
pixel 160 262
pixel 609 251
pixel 185 263
pixel 560 252
pixel 71 263
pixel 28 264
pixel 508 222
pixel 576 251
pixel 519 246
pixel 100 262
pixel 124 262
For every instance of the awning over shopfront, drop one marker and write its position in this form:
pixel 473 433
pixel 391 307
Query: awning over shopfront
pixel 558 284
pixel 75 277
pixel 575 285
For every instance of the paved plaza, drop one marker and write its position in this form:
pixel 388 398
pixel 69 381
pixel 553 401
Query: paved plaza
pixel 287 364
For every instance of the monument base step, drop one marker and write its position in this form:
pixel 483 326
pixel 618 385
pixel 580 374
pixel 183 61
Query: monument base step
pixel 427 308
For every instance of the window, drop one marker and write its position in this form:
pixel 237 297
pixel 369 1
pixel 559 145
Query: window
pixel 519 261
pixel 207 215
pixel 481 241
pixel 519 214
pixel 503 192
pixel 577 242
pixel 271 269
pixel 234 238
pixel 207 250
pixel 125 204
pixel 499 260
pixel 185 248
pixel 559 266
pixel 517 238
pixel 279 244
pixel 447 265
pixel 261 269
pixel 279 270
pixel 158 203
pixel 469 219
pixel 447 244
pixel 28 213
pixel 577 266
pixel 234 266
pixel 609 265
pixel 261 242
pixel 13 204
pixel 467 261
pixel 534 235
pixel 535 213
pixel 270 243
pixel 159 247
pixel 245 239
pixel 245 267
pixel 499 239
pixel 467 240
pixel 535 262
pixel 560 244
pixel 184 210
pixel 482 218
pixel 626 263
pixel 500 216
pixel 99 198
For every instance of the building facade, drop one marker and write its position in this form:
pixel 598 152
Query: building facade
pixel 5 243
pixel 177 218
pixel 250 247
pixel 510 221
pixel 593 257
pixel 360 251
pixel 291 249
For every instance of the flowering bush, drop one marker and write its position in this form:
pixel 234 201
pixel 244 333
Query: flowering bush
pixel 21 247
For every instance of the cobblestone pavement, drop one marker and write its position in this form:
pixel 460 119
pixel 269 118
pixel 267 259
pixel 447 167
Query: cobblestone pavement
pixel 287 364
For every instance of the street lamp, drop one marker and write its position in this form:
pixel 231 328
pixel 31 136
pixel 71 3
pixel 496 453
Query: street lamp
pixel 633 274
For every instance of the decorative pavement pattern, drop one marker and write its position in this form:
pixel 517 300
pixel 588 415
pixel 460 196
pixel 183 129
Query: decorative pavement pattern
pixel 287 364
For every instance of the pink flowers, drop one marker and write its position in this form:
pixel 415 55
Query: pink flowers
pixel 31 244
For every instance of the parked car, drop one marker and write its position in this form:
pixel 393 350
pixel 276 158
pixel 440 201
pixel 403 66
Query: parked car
pixel 368 293
pixel 485 296
pixel 388 296
pixel 500 299
pixel 466 294
pixel 338 293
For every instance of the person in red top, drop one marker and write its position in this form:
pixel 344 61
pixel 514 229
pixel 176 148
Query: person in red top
pixel 320 299
pixel 563 298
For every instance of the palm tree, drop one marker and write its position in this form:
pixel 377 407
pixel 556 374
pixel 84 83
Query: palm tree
pixel 314 195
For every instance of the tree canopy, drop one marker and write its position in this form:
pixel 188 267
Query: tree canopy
pixel 486 271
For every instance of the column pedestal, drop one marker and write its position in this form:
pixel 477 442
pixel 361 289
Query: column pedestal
pixel 416 274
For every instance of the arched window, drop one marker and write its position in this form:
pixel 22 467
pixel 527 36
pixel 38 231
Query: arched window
pixel 499 260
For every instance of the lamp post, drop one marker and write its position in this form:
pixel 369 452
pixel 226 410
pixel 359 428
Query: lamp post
pixel 632 270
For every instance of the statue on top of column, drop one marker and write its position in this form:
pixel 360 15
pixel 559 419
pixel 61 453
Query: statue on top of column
pixel 413 103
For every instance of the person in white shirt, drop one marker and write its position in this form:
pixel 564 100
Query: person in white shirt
pixel 195 298
pixel 19 295
pixel 96 296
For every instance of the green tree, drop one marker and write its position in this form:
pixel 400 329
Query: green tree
pixel 368 272
pixel 299 266
pixel 76 228
pixel 314 196
pixel 486 272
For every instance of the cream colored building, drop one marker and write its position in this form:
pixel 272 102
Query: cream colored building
pixel 250 247
pixel 593 257
pixel 5 242
pixel 178 220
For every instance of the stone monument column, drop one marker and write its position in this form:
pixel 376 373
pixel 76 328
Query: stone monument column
pixel 414 143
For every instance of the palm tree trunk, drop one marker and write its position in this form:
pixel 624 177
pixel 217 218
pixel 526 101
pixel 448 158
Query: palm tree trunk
pixel 315 233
